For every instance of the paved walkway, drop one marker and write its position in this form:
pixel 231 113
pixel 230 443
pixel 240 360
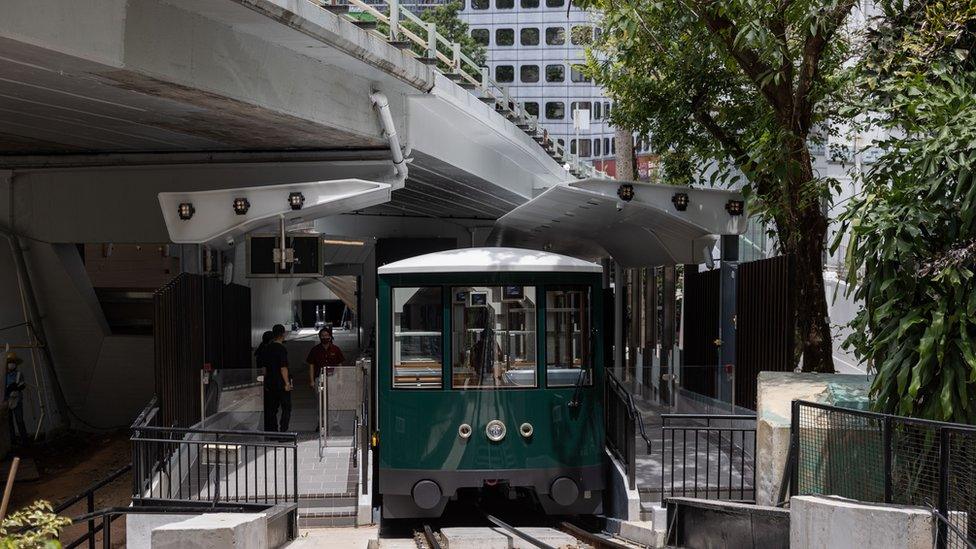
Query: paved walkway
pixel 705 463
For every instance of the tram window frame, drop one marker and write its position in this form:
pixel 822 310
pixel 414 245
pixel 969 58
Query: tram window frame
pixel 507 77
pixel 557 110
pixel 529 4
pixel 555 72
pixel 480 4
pixel 587 362
pixel 462 297
pixel 532 107
pixel 555 36
pixel 526 74
pixel 438 333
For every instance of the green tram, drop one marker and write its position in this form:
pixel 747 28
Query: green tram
pixel 490 375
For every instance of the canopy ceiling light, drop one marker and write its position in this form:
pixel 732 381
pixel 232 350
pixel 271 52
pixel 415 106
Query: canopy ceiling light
pixel 185 210
pixel 241 205
pixel 626 192
pixel 296 200
pixel 735 207
pixel 680 201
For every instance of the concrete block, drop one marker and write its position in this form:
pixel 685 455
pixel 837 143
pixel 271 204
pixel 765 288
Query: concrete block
pixel 623 503
pixel 642 532
pixel 838 523
pixel 214 531
pixel 776 392
pixel 139 527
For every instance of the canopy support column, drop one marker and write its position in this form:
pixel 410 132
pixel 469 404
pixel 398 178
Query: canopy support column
pixel 619 291
pixel 726 348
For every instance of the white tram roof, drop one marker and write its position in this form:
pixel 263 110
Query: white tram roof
pixel 477 260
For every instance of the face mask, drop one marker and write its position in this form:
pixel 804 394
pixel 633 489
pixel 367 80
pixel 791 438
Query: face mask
pixel 11 367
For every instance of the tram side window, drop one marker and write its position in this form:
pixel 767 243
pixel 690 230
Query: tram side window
pixel 417 337
pixel 493 337
pixel 569 349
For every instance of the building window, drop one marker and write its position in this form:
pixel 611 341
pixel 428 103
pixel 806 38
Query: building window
pixel 529 73
pixel 504 4
pixel 555 3
pixel 555 110
pixel 505 73
pixel 529 4
pixel 581 35
pixel 555 73
pixel 596 147
pixel 613 146
pixel 562 142
pixel 480 36
pixel 576 75
pixel 493 337
pixel 597 114
pixel 606 145
pixel 529 36
pixel 479 4
pixel 532 108
pixel 584 148
pixel 579 105
pixel 555 36
pixel 606 109
pixel 569 352
pixel 505 37
pixel 417 337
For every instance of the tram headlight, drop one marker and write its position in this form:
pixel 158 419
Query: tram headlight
pixel 495 430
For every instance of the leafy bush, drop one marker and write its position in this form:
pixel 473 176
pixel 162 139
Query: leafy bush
pixel 33 527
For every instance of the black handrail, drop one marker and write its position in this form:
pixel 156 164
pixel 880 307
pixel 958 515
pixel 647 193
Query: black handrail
pixel 946 526
pixel 632 408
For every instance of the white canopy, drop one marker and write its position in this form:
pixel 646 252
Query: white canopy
pixel 468 260
pixel 587 219
pixel 214 219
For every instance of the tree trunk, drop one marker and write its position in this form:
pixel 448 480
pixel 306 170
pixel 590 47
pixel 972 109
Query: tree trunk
pixel 626 168
pixel 813 327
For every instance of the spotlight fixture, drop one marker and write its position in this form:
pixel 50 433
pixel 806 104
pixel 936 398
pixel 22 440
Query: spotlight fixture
pixel 185 210
pixel 626 192
pixel 734 207
pixel 680 201
pixel 241 205
pixel 296 200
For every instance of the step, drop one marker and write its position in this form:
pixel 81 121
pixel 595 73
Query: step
pixel 327 501
pixel 365 25
pixel 644 533
pixel 428 60
pixel 325 517
pixel 400 44
pixel 337 9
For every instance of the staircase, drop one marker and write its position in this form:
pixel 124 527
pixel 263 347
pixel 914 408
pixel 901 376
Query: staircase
pixel 328 493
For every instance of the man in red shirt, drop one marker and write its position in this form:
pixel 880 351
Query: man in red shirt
pixel 325 355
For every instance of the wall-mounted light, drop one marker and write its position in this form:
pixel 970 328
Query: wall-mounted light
pixel 185 210
pixel 296 200
pixel 626 192
pixel 735 207
pixel 680 201
pixel 241 205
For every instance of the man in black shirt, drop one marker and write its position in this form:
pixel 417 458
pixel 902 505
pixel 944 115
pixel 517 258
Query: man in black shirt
pixel 273 358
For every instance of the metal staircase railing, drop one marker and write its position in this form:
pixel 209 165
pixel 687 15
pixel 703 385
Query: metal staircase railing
pixel 461 69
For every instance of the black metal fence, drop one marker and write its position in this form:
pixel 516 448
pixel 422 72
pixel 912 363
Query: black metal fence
pixel 623 423
pixel 882 458
pixel 708 456
pixel 172 464
pixel 198 322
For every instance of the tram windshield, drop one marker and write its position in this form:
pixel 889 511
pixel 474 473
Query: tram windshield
pixel 493 337
pixel 417 337
pixel 569 353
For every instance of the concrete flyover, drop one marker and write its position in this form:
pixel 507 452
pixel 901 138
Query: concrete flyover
pixel 105 104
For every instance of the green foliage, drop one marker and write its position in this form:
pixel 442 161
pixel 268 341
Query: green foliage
pixel 730 92
pixel 912 244
pixel 33 527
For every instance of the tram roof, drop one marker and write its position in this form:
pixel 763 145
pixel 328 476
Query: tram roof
pixel 589 219
pixel 469 260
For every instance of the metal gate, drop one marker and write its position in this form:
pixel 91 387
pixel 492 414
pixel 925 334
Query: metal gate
pixel 199 323
pixel 764 326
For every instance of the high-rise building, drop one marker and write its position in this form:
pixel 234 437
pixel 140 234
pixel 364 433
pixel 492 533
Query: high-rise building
pixel 533 47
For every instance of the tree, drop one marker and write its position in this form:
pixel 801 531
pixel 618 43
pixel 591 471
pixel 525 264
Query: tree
pixel 737 89
pixel 912 230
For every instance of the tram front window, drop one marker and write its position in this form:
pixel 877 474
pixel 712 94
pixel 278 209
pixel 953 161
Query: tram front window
pixel 493 335
pixel 417 337
pixel 569 353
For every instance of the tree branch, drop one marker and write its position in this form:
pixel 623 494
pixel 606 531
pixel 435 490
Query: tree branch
pixel 813 49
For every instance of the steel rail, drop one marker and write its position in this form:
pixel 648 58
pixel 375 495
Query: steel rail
pixel 598 541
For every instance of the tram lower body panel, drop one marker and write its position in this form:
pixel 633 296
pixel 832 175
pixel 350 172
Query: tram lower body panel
pixel 431 445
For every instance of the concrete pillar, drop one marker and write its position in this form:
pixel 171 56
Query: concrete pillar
pixel 619 285
pixel 668 366
pixel 726 349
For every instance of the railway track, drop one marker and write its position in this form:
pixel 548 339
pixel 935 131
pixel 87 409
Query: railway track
pixel 428 538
